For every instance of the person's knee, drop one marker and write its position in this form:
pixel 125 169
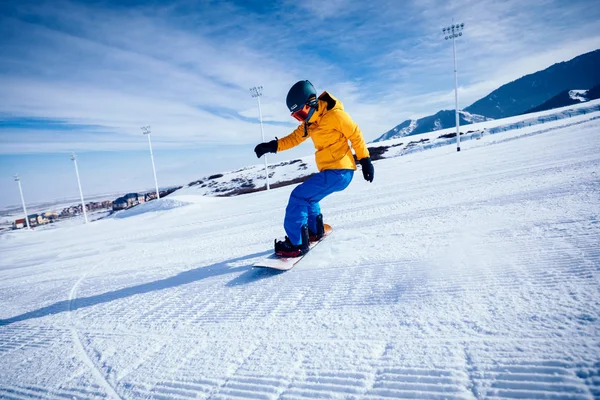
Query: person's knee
pixel 296 199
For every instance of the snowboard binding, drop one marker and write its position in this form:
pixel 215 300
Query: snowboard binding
pixel 285 248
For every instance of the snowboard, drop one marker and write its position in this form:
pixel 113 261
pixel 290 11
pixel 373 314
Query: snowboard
pixel 286 263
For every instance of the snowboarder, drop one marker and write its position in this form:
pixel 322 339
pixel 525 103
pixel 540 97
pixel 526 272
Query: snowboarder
pixel 324 120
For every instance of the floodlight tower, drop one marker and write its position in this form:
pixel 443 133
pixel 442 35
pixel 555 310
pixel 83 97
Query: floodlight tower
pixel 74 158
pixel 146 131
pixel 256 91
pixel 18 180
pixel 453 32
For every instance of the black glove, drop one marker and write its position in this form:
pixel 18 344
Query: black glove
pixel 367 169
pixel 268 147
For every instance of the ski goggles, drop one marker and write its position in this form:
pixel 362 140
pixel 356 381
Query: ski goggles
pixel 304 113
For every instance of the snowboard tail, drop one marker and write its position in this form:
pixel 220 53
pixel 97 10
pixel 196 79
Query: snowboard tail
pixel 286 263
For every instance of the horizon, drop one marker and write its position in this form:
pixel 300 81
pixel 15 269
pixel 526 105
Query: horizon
pixel 84 77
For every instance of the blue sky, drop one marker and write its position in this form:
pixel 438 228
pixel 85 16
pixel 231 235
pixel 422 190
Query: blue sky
pixel 85 76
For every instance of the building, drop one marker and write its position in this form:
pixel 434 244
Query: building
pixel 132 199
pixel 50 216
pixel 127 201
pixel 119 204
pixel 19 223
pixel 150 196
pixel 36 219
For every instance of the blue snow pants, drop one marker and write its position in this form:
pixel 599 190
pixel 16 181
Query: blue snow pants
pixel 303 207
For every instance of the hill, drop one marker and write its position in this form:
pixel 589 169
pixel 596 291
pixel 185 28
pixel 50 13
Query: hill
pixel 567 98
pixel 593 93
pixel 540 91
pixel 532 90
pixel 441 120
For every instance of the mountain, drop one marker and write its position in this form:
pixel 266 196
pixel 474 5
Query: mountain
pixel 539 91
pixel 566 98
pixel 593 93
pixel 442 120
pixel 533 90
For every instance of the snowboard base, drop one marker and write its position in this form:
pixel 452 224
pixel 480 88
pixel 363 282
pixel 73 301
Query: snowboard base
pixel 286 263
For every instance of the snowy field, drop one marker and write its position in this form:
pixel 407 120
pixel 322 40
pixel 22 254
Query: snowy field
pixel 8 214
pixel 471 275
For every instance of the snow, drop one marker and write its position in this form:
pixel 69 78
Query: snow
pixel 453 275
pixel 158 205
pixel 407 131
pixel 254 177
pixel 578 95
pixel 523 125
pixel 473 118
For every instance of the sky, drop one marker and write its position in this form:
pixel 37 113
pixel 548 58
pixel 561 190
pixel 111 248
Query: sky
pixel 85 76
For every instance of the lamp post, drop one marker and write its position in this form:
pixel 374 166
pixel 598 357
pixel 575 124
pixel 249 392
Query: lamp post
pixel 146 131
pixel 256 91
pixel 18 180
pixel 453 32
pixel 79 184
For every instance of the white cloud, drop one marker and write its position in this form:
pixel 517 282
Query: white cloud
pixel 188 74
pixel 323 9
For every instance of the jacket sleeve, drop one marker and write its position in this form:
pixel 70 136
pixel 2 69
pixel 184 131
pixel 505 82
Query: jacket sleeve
pixel 352 132
pixel 292 140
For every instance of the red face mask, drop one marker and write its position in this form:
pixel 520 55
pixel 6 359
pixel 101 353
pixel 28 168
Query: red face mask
pixel 303 113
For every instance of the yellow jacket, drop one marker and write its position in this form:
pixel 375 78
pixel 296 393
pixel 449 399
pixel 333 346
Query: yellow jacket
pixel 330 129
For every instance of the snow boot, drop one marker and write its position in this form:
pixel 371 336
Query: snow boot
pixel 285 248
pixel 318 235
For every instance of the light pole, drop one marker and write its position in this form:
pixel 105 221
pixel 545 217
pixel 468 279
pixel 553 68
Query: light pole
pixel 256 91
pixel 146 131
pixel 79 184
pixel 18 180
pixel 453 32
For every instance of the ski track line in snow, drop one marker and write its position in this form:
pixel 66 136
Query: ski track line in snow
pixel 308 389
pixel 80 349
pixel 27 392
pixel 12 339
pixel 203 311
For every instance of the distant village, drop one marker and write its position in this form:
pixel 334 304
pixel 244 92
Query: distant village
pixel 121 203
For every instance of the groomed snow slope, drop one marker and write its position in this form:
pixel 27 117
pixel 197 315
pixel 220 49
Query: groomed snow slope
pixel 454 275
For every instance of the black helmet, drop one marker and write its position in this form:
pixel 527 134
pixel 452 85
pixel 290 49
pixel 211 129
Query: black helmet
pixel 299 94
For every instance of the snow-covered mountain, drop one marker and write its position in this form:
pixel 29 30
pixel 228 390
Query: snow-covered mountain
pixel 527 94
pixel 562 99
pixel 593 93
pixel 567 98
pixel 404 129
pixel 441 120
pixel 532 90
